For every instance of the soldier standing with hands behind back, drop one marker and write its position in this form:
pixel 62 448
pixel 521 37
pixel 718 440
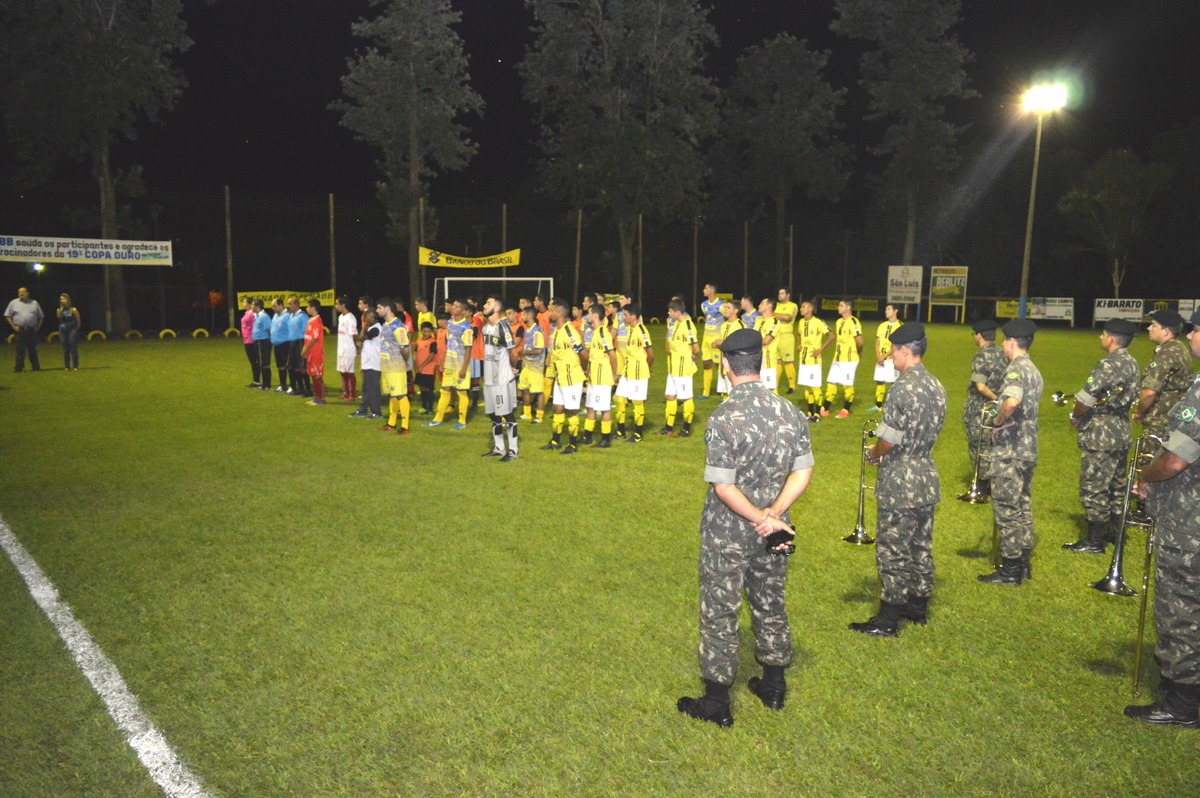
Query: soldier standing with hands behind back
pixel 987 373
pixel 1168 375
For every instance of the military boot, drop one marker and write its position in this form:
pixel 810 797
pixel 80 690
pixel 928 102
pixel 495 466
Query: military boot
pixel 885 623
pixel 1010 572
pixel 771 689
pixel 985 487
pixel 1027 563
pixel 1178 707
pixel 1092 542
pixel 1113 533
pixel 713 706
pixel 916 610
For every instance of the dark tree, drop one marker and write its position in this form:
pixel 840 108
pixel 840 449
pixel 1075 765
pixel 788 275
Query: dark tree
pixel 78 78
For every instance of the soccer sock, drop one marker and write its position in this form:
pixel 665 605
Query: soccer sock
pixel 672 408
pixel 573 427
pixel 511 425
pixel 559 420
pixel 443 406
pixel 318 388
pixel 622 403
pixel 790 370
pixel 708 375
pixel 353 384
pixel 605 427
pixel 541 413
pixel 849 393
pixel 497 435
pixel 880 393
pixel 464 405
pixel 689 411
pixel 393 410
pixel 830 394
pixel 639 414
pixel 405 412
pixel 526 412
pixel 283 380
pixel 589 424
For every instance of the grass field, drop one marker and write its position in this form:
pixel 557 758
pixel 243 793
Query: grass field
pixel 309 607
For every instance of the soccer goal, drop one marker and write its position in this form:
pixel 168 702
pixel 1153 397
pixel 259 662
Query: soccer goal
pixel 509 288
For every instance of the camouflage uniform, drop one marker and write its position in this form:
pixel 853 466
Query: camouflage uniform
pixel 907 488
pixel 1175 505
pixel 987 367
pixel 754 440
pixel 1105 435
pixel 1014 455
pixel 1169 374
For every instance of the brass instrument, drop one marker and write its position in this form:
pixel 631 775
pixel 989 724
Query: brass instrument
pixel 1141 632
pixel 859 536
pixel 1139 516
pixel 1113 582
pixel 1061 399
pixel 975 494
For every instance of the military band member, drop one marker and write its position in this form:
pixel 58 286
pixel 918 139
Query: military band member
pixel 885 369
pixel 813 336
pixel 1172 482
pixel 1167 376
pixel 635 374
pixel 1101 417
pixel 732 324
pixel 602 376
pixel 500 380
pixel 1014 455
pixel 566 348
pixel 785 343
pixel 987 374
pixel 768 328
pixel 682 348
pixel 907 489
pixel 758 461
pixel 849 344
pixel 713 318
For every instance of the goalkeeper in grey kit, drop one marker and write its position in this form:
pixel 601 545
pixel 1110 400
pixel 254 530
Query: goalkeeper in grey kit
pixel 500 380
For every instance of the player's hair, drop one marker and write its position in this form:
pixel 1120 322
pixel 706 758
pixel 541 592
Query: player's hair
pixel 787 289
pixel 742 364
pixel 562 303
pixel 597 309
pixel 849 302
pixel 366 300
pixel 386 301
pixel 530 312
pixel 277 301
pixel 677 305
pixel 770 302
pixel 257 303
pixel 893 306
pixel 442 316
pixel 633 308
pixel 426 325
pixel 499 302
pixel 1122 340
pixel 615 304
pixel 1022 342
pixel 917 347
pixel 711 285
pixel 420 300
pixel 315 303
pixel 369 313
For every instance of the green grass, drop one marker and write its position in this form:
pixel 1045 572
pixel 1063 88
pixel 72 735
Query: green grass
pixel 309 607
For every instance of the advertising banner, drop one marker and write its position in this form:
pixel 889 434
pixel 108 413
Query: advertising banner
pixel 1128 309
pixel 441 260
pixel 325 297
pixel 1039 307
pixel 947 285
pixel 904 284
pixel 860 305
pixel 37 249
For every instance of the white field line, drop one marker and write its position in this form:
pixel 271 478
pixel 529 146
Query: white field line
pixel 156 755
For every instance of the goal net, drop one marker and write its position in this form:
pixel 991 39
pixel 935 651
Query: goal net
pixel 510 289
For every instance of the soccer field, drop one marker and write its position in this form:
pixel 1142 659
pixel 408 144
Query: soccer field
pixel 307 606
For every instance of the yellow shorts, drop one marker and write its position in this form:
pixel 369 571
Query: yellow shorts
pixel 393 383
pixel 532 381
pixel 707 352
pixel 785 345
pixel 450 378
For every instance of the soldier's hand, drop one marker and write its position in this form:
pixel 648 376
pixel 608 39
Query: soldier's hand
pixel 1139 490
pixel 769 524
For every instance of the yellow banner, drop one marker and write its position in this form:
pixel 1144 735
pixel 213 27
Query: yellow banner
pixel 871 305
pixel 441 260
pixel 326 297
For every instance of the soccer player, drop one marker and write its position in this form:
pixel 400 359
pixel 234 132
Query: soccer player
pixel 768 328
pixel 785 342
pixel 347 331
pixel 885 369
pixel 533 369
pixel 682 349
pixel 369 407
pixel 456 374
pixel 281 342
pixel 848 347
pixel 394 349
pixel 602 376
pixel 635 373
pixel 713 319
pixel 749 312
pixel 500 379
pixel 813 335
pixel 565 349
pixel 261 333
pixel 732 324
pixel 425 365
pixel 424 314
pixel 619 329
pixel 313 352
pixel 476 349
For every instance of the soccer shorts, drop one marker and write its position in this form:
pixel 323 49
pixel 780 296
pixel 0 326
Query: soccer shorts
pixel 345 363
pixel 532 381
pixel 841 372
pixel 808 376
pixel 707 352
pixel 785 345
pixel 568 397
pixel 633 390
pixel 768 378
pixel 393 384
pixel 723 385
pixel 599 398
pixel 451 379
pixel 679 387
pixel 476 369
pixel 315 365
pixel 886 372
pixel 500 400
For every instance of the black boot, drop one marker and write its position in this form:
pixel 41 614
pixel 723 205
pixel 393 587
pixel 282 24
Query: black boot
pixel 1026 563
pixel 713 706
pixel 885 623
pixel 916 610
pixel 771 689
pixel 587 438
pixel 553 444
pixel 985 487
pixel 1092 542
pixel 1178 707
pixel 570 447
pixel 605 441
pixel 1010 572
pixel 1114 529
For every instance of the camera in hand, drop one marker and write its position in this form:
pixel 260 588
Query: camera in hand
pixel 780 542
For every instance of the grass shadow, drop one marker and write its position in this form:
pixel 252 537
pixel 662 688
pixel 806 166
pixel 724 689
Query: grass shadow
pixel 866 593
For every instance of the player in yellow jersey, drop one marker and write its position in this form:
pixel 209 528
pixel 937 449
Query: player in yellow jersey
pixel 602 377
pixel 566 347
pixel 533 369
pixel 424 314
pixel 847 348
pixel 885 369
pixel 785 342
pixel 813 336
pixel 456 366
pixel 730 325
pixel 393 373
pixel 682 348
pixel 710 308
pixel 768 328
pixel 634 385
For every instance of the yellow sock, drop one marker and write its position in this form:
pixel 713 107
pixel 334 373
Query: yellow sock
pixel 541 413
pixel 849 393
pixel 589 424
pixel 672 408
pixel 573 426
pixel 689 411
pixel 880 392
pixel 443 406
pixel 622 403
pixel 708 375
pixel 790 370
pixel 393 408
pixel 526 415
pixel 559 420
pixel 405 410
pixel 605 427
pixel 639 413
pixel 464 404
pixel 830 392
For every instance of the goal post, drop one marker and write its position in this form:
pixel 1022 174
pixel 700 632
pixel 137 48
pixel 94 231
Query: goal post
pixel 445 288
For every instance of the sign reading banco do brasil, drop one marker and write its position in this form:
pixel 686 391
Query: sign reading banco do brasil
pixel 84 250
pixel 442 260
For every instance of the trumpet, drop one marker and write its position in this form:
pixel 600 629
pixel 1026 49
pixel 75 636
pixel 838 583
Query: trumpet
pixel 1061 399
pixel 975 494
pixel 859 536
pixel 1113 582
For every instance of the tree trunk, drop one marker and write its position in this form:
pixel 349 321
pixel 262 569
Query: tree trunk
pixel 1116 278
pixel 627 233
pixel 910 233
pixel 416 276
pixel 780 226
pixel 119 321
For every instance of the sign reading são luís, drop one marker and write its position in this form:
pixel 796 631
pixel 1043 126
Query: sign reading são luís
pixel 84 250
pixel 442 260
pixel 904 284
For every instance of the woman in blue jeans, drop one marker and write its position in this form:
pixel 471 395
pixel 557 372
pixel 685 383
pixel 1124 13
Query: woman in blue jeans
pixel 68 332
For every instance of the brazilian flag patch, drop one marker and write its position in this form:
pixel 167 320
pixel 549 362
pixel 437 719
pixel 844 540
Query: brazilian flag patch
pixel 1012 375
pixel 1187 414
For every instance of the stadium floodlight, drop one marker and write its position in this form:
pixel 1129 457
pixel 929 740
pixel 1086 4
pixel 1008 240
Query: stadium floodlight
pixel 1042 99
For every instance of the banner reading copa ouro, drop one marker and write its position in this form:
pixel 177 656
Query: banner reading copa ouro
pixel 904 285
pixel 84 250
pixel 441 260
pixel 324 297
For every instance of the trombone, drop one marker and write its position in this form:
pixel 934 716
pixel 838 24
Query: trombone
pixel 975 493
pixel 1141 632
pixel 859 536
pixel 1113 582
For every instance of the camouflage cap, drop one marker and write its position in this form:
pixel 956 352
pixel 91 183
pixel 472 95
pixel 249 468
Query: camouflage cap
pixel 742 341
pixel 907 333
pixel 1019 328
pixel 1166 318
pixel 984 325
pixel 1120 327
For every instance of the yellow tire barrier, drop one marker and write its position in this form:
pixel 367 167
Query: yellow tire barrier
pixel 200 333
pixel 11 337
pixel 164 333
pixel 95 333
pixel 129 336
pixel 51 337
pixel 326 329
pixel 654 320
pixel 230 333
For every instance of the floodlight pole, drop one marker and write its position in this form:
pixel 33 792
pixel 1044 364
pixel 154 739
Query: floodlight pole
pixel 1037 153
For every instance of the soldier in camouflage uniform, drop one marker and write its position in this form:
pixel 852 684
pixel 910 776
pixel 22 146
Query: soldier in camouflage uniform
pixel 907 489
pixel 758 460
pixel 1101 416
pixel 1173 483
pixel 987 372
pixel 1014 455
pixel 1168 375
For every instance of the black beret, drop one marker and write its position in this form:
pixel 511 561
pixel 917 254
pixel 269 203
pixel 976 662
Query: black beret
pixel 742 341
pixel 1193 322
pixel 984 325
pixel 1019 328
pixel 1120 327
pixel 907 333
pixel 1167 318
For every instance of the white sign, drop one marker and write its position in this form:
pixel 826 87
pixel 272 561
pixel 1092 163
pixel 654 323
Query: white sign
pixel 1188 306
pixel 35 249
pixel 1128 309
pixel 1059 308
pixel 904 284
